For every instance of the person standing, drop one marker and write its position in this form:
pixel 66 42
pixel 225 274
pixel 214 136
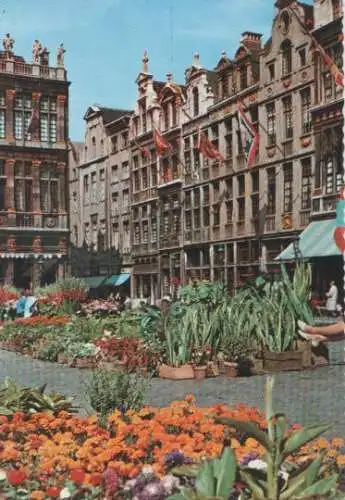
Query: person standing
pixel 21 303
pixel 332 298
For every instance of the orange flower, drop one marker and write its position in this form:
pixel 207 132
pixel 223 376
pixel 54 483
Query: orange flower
pixel 341 461
pixel 37 495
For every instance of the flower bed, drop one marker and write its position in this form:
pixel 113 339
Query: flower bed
pixel 40 452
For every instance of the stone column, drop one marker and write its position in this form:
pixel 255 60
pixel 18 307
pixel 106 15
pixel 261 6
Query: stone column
pixel 60 125
pixel 36 186
pixel 60 275
pixel 9 273
pixel 61 168
pixel 35 133
pixel 10 94
pixel 9 173
pixel 211 262
pixel 36 274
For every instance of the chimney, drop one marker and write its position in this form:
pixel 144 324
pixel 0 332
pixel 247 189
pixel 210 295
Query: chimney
pixel 251 40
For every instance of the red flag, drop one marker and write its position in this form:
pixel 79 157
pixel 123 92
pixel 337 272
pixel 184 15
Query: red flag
pixel 250 137
pixel 162 145
pixel 336 73
pixel 208 149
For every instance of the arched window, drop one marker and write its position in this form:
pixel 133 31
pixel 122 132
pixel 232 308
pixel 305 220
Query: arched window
pixel 195 101
pixel 286 51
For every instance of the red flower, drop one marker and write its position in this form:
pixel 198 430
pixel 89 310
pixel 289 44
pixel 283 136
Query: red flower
pixel 96 479
pixel 16 477
pixel 53 492
pixel 78 476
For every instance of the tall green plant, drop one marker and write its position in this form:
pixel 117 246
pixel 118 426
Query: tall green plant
pixel 216 478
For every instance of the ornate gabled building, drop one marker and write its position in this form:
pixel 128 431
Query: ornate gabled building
pixel 34 225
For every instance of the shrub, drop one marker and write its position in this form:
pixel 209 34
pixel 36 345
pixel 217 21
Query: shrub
pixel 109 391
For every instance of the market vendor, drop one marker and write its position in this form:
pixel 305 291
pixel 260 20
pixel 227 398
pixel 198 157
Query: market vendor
pixel 21 303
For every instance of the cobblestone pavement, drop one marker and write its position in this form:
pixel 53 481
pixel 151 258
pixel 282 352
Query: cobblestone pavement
pixel 306 397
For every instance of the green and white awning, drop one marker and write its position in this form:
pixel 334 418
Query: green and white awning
pixel 118 279
pixel 317 240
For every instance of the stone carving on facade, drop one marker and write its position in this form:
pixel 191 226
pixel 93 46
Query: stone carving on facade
pixel 8 43
pixel 63 245
pixel 11 244
pixel 44 57
pixel 36 50
pixel 37 244
pixel 60 55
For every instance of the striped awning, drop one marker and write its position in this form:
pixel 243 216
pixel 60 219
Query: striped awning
pixel 317 240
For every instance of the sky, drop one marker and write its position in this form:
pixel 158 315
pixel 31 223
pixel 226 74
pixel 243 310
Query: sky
pixel 105 40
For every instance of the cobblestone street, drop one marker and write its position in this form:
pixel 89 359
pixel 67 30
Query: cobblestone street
pixel 306 397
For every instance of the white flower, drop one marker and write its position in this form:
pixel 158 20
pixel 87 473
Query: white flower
pixel 65 493
pixel 257 464
pixel 3 475
pixel 170 482
pixel 147 470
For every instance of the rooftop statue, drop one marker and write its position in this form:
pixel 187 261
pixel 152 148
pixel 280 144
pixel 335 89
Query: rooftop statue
pixel 60 55
pixel 8 43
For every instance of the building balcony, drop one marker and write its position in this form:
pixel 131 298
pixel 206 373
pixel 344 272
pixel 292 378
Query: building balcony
pixel 169 241
pixel 20 68
pixel 30 221
pixel 167 182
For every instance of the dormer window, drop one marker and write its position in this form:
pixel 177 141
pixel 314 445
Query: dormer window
pixel 271 71
pixel 286 50
pixel 195 101
pixel 166 116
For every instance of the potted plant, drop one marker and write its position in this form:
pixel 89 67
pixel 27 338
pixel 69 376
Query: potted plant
pixel 236 354
pixel 201 357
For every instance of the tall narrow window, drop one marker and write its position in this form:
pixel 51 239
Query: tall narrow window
pixel 271 191
pixel 23 187
pixel 2 115
pixel 195 101
pixel 48 119
pixel 305 111
pixel 166 115
pixel 271 124
pixel 21 116
pixel 288 121
pixel 306 184
pixel 49 189
pixel 286 50
pixel 228 139
pixel 288 184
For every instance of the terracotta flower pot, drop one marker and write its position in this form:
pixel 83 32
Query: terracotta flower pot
pixel 221 367
pixel 230 369
pixel 183 372
pixel 200 372
pixel 88 362
pixel 62 359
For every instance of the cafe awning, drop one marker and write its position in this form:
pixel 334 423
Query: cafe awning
pixel 317 240
pixel 95 281
pixel 118 279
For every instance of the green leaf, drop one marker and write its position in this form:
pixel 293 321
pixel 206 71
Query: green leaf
pixel 249 428
pixel 305 478
pixel 258 492
pixel 186 471
pixel 301 437
pixel 205 481
pixel 225 471
pixel 322 487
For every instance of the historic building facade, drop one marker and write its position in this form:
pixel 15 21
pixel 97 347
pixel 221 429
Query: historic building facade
pixel 194 215
pixel 99 183
pixel 34 226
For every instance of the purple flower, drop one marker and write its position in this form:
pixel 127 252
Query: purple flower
pixel 248 458
pixel 176 458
